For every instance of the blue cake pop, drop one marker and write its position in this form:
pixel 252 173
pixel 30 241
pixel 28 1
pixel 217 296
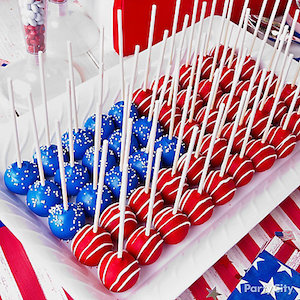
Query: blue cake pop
pixel 76 177
pixel 114 143
pixel 107 126
pixel 65 223
pixel 88 197
pixel 169 149
pixel 82 141
pixel 50 159
pixel 41 198
pixel 88 159
pixel 113 181
pixel 116 112
pixel 142 129
pixel 18 180
pixel 139 162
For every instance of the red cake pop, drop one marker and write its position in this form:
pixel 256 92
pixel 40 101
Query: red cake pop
pixel 293 124
pixel 118 274
pixel 233 106
pixel 195 168
pixel 206 66
pixel 198 207
pixel 139 202
pixel 89 247
pixel 244 86
pixel 226 79
pixel 187 131
pixel 146 249
pixel 181 100
pixel 173 228
pixel 288 93
pixel 220 54
pixel 160 85
pixel 283 141
pixel 184 76
pixel 204 89
pixel 281 108
pixel 259 124
pixel 210 121
pixel 273 84
pixel 165 115
pixel 241 169
pixel 247 69
pixel 168 184
pixel 142 99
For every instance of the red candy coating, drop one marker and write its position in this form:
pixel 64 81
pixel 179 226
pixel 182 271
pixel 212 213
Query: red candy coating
pixel 165 115
pixel 184 76
pixel 221 189
pixel 206 66
pixel 173 228
pixel 168 185
pixel 273 84
pixel 139 203
pixel 181 100
pixel 240 169
pixel 89 247
pixel 281 109
pixel 142 99
pixel 233 108
pixel 110 217
pixel 211 121
pixel 187 131
pixel 283 141
pixel 226 79
pixel 146 249
pixel 204 89
pixel 262 155
pixel 243 86
pixel 288 93
pixel 118 274
pixel 198 207
pixel 293 124
pixel 160 84
pixel 247 69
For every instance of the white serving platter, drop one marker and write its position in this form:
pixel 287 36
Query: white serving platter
pixel 180 265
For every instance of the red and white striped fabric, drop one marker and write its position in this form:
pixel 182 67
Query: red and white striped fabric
pixel 19 279
pixel 223 277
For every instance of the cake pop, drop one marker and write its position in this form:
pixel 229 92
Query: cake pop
pixel 288 93
pixel 107 127
pixel 165 115
pixel 65 220
pixel 138 161
pixel 20 174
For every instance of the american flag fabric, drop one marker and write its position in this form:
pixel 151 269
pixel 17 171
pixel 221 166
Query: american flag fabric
pixel 20 279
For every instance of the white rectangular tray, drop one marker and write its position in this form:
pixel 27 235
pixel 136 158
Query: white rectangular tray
pixel 180 265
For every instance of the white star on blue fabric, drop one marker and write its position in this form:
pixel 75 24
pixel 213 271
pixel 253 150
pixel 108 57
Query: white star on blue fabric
pixel 284 268
pixel 298 292
pixel 259 259
pixel 238 287
pixel 269 288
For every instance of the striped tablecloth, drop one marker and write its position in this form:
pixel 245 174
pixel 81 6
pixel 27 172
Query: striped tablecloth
pixel 19 279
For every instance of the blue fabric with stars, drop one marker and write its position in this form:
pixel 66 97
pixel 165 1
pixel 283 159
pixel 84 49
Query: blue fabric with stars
pixel 268 279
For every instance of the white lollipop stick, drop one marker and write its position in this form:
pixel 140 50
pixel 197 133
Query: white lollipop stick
pixel 291 109
pixel 135 64
pixel 123 193
pixel 61 167
pixel 73 89
pixel 36 141
pixel 296 76
pixel 242 18
pixel 281 28
pixel 71 141
pixel 164 86
pixel 155 87
pixel 228 17
pixel 121 58
pixel 210 149
pixel 298 111
pixel 276 100
pixel 214 64
pixel 288 45
pixel 14 119
pixel 44 96
pixel 100 185
pixel 253 112
pixel 236 77
pixel 181 129
pixel 188 56
pixel 101 52
pixel 153 191
pixel 174 100
pixel 150 41
pixel 260 16
pixel 151 147
pixel 97 145
pixel 124 126
pixel 232 136
pixel 207 111
pixel 212 13
pixel 185 169
pixel 270 80
pixel 174 29
pixel 183 34
pixel 197 80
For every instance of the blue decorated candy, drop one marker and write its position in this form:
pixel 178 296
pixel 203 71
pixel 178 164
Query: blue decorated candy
pixel 88 197
pixel 169 149
pixel 83 140
pixel 142 128
pixel 65 223
pixel 107 127
pixel 139 162
pixel 41 198
pixel 114 143
pixel 113 181
pixel 76 177
pixel 18 180
pixel 116 112
pixel 88 159
pixel 50 159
